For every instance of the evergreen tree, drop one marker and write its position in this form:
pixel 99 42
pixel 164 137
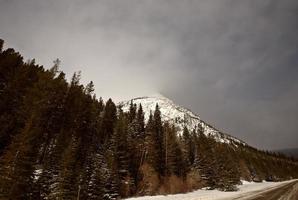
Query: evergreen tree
pixel 132 111
pixel 174 162
pixel 69 176
pixel 141 122
pixel 227 169
pixel 205 160
pixel 109 120
pixel 98 180
pixel 188 147
pixel 1 44
pixel 89 88
pixel 15 78
pixel 17 165
pixel 55 69
pixel 158 139
pixel 150 151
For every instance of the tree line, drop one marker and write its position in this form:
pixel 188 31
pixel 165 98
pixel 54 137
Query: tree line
pixel 59 141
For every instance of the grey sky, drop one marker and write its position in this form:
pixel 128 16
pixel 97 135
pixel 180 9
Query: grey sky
pixel 234 62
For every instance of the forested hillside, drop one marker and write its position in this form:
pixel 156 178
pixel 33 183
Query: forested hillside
pixel 59 141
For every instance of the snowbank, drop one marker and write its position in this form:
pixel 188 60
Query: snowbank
pixel 248 188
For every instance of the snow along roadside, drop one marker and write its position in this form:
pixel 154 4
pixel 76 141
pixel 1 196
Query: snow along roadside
pixel 246 189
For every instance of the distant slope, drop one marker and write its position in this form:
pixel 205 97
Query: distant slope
pixel 292 152
pixel 179 116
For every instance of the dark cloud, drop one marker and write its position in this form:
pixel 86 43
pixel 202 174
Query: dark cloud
pixel 233 62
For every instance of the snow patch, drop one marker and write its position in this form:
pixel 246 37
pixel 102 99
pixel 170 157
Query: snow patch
pixel 37 174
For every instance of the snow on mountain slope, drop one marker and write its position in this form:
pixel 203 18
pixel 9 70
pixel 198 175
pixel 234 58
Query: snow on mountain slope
pixel 178 115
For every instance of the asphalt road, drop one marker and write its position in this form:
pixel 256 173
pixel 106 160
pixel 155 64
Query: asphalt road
pixel 284 192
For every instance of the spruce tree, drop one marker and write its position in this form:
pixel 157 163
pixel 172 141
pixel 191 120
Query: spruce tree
pixel 158 139
pixel 227 169
pixel 109 120
pixel 150 151
pixel 174 162
pixel 69 176
pixel 17 165
pixel 141 122
pixel 188 147
pixel 205 160
pixel 132 111
pixel 1 44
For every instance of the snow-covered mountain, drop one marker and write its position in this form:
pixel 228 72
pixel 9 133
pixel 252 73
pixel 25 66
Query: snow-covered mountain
pixel 178 115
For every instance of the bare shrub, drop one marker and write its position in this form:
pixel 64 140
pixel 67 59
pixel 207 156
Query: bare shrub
pixel 127 187
pixel 175 185
pixel 193 180
pixel 149 183
pixel 244 171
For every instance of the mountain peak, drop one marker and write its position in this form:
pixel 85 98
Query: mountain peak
pixel 177 115
pixel 158 95
pixel 155 96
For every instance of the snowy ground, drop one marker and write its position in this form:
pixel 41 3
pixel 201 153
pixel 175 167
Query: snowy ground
pixel 245 190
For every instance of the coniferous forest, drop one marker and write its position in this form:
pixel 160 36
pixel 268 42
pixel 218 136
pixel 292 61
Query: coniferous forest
pixel 59 141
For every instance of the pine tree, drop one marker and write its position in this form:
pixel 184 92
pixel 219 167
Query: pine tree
pixel 134 144
pixel 89 88
pixel 47 181
pixel 205 160
pixel 35 139
pixel 141 122
pixel 15 78
pixel 69 176
pixel 17 165
pixel 109 120
pixel 227 169
pixel 96 188
pixel 132 111
pixel 55 69
pixel 188 147
pixel 158 139
pixel 1 44
pixel 174 162
pixel 141 136
pixel 121 146
pixel 150 151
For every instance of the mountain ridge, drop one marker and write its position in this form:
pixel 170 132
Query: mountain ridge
pixel 291 152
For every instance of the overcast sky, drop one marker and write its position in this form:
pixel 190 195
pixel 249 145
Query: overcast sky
pixel 234 62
